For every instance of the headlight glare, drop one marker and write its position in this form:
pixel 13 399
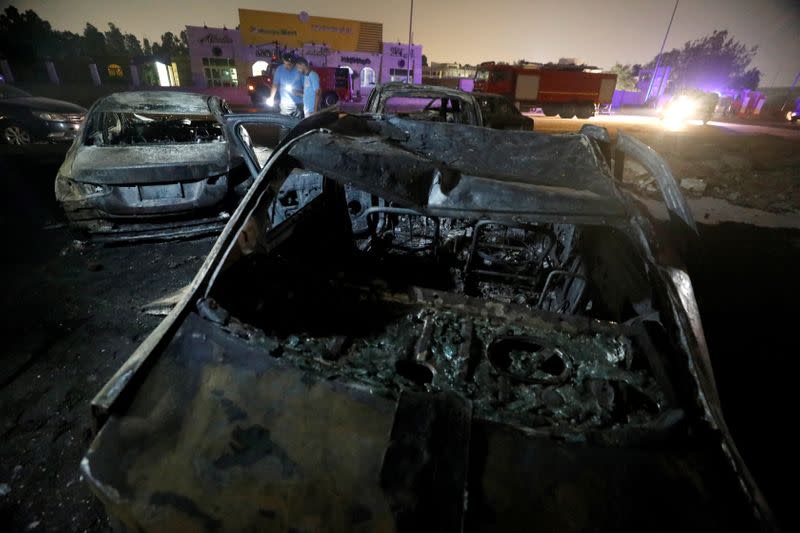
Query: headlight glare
pixel 51 117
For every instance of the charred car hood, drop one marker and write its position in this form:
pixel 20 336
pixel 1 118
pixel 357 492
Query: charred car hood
pixel 127 165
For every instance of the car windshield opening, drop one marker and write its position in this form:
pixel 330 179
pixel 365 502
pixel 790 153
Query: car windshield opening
pixel 426 108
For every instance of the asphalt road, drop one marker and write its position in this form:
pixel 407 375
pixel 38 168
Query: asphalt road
pixel 73 314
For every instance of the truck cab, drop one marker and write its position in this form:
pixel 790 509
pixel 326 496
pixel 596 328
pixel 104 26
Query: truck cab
pixel 258 87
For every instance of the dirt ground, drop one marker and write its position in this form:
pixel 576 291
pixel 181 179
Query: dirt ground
pixel 750 170
pixel 737 163
pixel 73 315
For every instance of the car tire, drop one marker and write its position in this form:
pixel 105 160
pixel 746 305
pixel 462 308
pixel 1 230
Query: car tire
pixel 584 111
pixel 14 134
pixel 549 110
pixel 329 99
pixel 566 111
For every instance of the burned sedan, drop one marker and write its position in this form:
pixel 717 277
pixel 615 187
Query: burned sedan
pixel 506 348
pixel 151 164
pixel 434 103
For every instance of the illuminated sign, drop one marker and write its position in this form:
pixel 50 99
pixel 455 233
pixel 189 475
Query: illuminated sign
pixel 356 60
pixel 294 31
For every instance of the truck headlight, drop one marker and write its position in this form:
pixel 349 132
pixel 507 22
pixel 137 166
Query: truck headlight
pixel 677 112
pixel 681 109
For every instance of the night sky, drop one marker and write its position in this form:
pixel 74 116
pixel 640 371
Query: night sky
pixel 599 32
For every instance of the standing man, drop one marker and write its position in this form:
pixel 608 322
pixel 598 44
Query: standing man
pixel 311 89
pixel 288 81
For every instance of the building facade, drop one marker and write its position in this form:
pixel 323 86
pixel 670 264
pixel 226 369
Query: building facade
pixel 449 70
pixel 222 57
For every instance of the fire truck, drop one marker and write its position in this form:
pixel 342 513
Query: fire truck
pixel 335 85
pixel 565 90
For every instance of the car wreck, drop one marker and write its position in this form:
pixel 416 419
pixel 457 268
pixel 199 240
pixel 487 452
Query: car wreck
pixel 505 347
pixel 152 164
pixel 434 103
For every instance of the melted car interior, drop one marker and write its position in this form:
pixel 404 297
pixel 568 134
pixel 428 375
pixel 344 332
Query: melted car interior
pixel 429 109
pixel 526 320
pixel 123 129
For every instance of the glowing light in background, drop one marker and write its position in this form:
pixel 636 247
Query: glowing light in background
pixel 163 75
pixel 678 111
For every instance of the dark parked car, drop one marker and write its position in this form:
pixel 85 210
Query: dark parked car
pixel 25 118
pixel 506 348
pixel 434 103
pixel 152 164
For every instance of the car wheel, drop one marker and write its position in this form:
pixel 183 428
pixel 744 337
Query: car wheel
pixel 13 134
pixel 585 111
pixel 329 99
pixel 549 110
pixel 567 111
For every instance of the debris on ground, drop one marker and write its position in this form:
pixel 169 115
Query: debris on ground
pixel 694 186
pixel 757 171
pixel 162 306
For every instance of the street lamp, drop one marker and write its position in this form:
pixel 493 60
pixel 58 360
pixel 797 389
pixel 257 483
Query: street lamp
pixel 409 60
pixel 658 58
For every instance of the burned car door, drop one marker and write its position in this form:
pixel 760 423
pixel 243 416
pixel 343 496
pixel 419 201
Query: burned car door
pixel 433 374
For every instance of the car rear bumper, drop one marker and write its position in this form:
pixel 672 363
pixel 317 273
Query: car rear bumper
pixel 145 212
pixel 87 201
pixel 107 231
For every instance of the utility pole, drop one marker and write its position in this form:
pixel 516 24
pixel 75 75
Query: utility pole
pixel 658 58
pixel 789 92
pixel 409 59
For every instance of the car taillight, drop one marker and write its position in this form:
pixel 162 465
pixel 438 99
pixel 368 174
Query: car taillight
pixel 251 88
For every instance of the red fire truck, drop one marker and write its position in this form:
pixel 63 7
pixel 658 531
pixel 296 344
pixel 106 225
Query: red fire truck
pixel 335 84
pixel 565 90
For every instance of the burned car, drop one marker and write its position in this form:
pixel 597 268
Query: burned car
pixel 152 164
pixel 506 348
pixel 443 104
pixel 500 113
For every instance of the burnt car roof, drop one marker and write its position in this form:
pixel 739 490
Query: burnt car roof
pixel 524 172
pixel 155 102
pixel 421 90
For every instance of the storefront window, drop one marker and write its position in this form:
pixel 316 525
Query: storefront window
pixel 367 76
pixel 115 71
pixel 220 72
pixel 399 74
